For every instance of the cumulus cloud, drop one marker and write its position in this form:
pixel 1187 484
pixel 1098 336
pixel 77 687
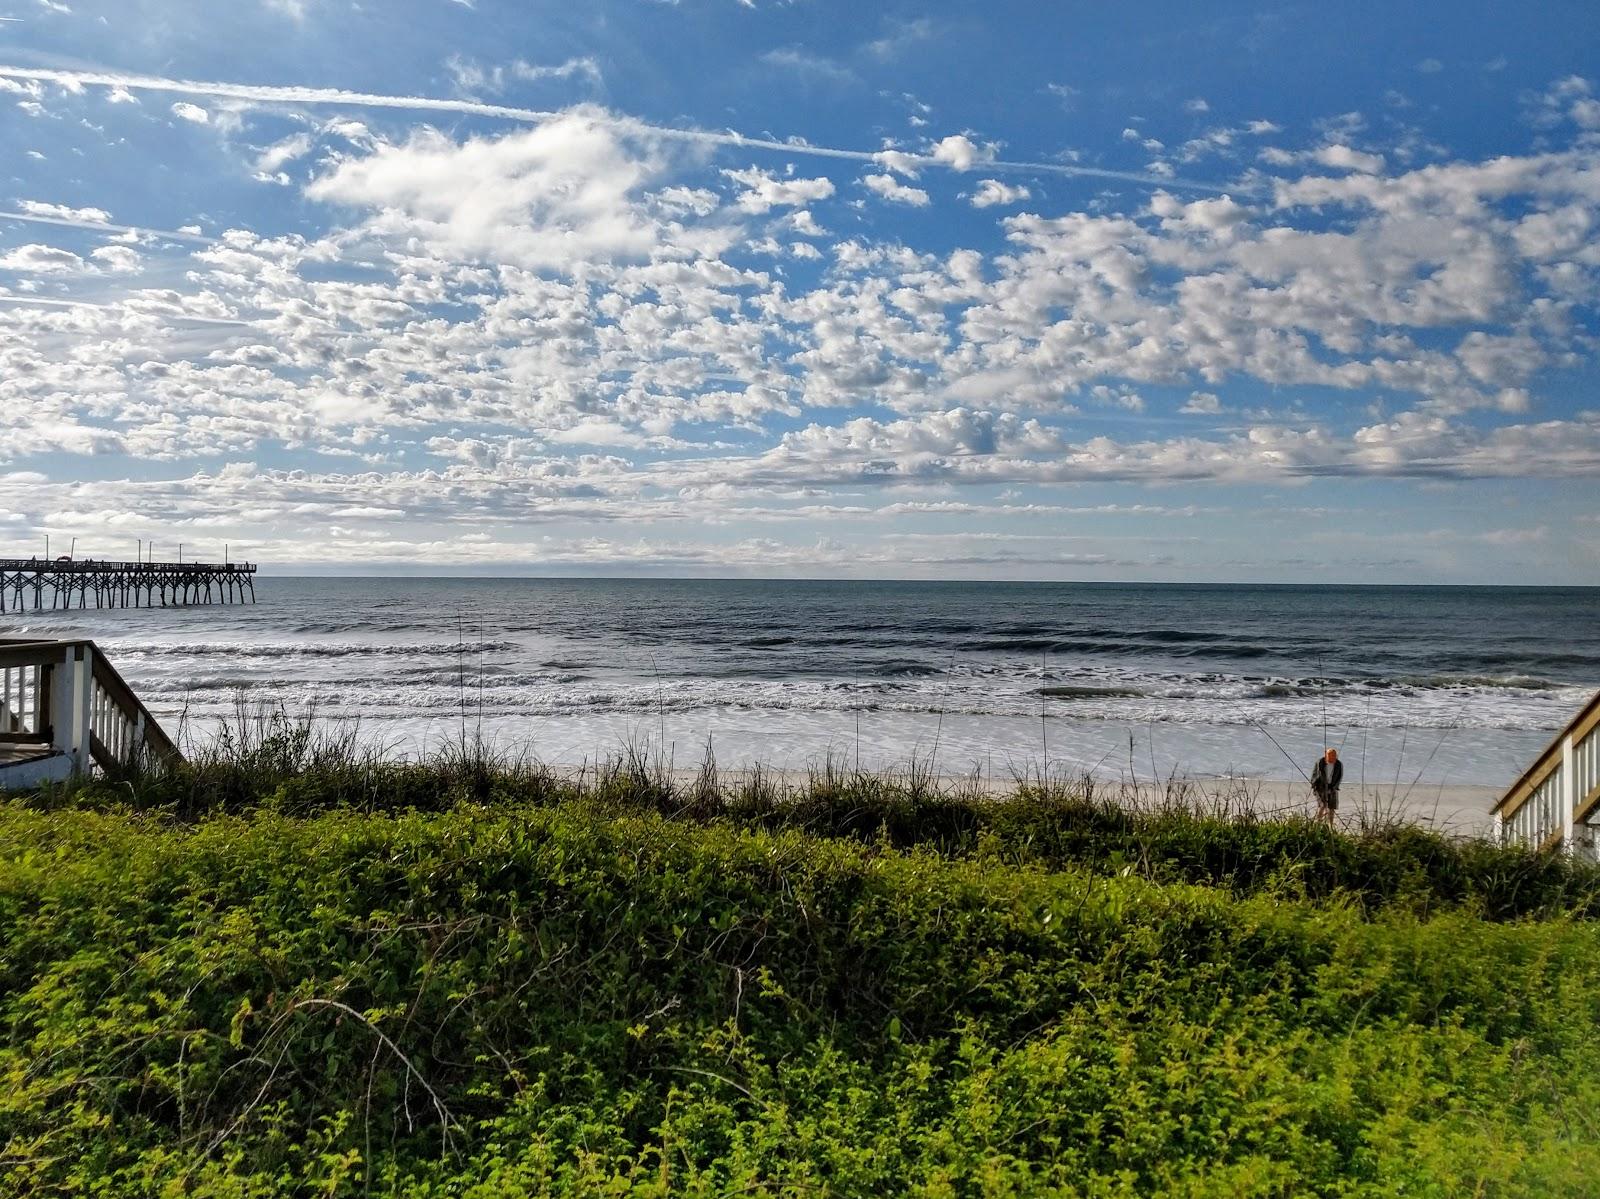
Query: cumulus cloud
pixel 961 152
pixel 64 212
pixel 1343 158
pixel 909 165
pixel 891 189
pixel 764 191
pixel 119 259
pixel 563 194
pixel 185 111
pixel 991 192
pixel 40 260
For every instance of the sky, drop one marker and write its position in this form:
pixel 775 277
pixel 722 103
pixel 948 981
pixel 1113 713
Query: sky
pixel 1282 293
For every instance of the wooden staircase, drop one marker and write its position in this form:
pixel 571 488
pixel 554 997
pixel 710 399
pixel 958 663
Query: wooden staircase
pixel 64 710
pixel 1555 804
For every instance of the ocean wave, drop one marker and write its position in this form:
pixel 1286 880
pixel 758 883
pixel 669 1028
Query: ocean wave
pixel 1515 682
pixel 1221 702
pixel 1091 692
pixel 313 649
pixel 903 667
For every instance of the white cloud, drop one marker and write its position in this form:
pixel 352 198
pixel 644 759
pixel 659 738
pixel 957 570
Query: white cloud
pixel 992 191
pixel 764 191
pixel 190 112
pixel 119 259
pixel 893 190
pixel 1065 93
pixel 563 194
pixel 36 259
pixel 98 216
pixel 1343 158
pixel 909 165
pixel 472 77
pixel 280 153
pixel 961 152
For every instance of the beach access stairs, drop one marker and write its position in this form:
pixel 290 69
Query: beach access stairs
pixel 1555 804
pixel 64 711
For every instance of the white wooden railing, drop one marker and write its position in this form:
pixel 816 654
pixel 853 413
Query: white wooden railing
pixel 66 696
pixel 1556 802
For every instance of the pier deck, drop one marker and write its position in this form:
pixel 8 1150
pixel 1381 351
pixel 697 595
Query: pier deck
pixel 38 584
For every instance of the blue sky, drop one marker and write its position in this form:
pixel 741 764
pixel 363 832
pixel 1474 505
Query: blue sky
pixel 1020 291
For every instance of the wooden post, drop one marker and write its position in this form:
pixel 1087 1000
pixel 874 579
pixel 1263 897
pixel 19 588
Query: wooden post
pixel 1569 793
pixel 79 676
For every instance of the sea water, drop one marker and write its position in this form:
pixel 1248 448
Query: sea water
pixel 1457 685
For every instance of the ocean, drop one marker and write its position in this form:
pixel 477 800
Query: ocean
pixel 1424 685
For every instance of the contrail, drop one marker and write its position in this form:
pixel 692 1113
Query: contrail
pixel 268 94
pixel 106 227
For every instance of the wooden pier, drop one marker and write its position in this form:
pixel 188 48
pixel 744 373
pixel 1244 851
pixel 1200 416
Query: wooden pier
pixel 38 584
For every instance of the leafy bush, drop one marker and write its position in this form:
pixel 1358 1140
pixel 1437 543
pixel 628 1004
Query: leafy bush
pixel 520 998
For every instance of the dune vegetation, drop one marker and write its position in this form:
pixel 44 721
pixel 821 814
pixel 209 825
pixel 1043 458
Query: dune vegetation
pixel 288 968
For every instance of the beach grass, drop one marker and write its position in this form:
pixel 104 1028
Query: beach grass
pixel 296 967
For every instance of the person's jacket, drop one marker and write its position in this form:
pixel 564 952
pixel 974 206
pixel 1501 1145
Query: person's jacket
pixel 1322 781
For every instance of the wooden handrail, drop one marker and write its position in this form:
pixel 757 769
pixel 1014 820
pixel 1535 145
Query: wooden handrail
pixel 32 653
pixel 1548 761
pixel 122 695
pixel 109 707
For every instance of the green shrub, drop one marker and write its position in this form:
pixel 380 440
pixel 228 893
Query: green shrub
pixel 526 998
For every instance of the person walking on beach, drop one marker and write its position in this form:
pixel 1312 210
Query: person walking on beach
pixel 1325 778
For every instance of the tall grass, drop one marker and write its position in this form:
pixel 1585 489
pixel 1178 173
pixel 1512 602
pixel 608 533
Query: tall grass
pixel 263 758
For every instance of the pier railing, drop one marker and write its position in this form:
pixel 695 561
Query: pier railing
pixel 65 696
pixel 1555 804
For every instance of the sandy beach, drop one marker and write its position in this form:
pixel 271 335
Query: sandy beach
pixel 1454 809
